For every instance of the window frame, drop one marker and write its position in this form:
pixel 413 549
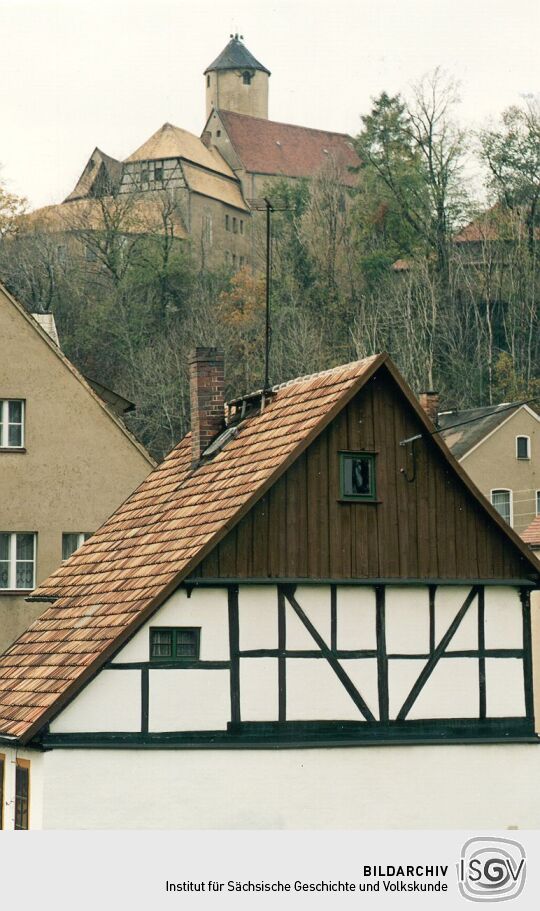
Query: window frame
pixel 509 491
pixel 525 458
pixel 12 562
pixel 82 536
pixel 344 454
pixel 174 658
pixel 22 764
pixel 5 424
pixel 537 503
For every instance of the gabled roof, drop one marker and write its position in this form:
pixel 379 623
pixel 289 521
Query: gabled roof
pixel 201 181
pixel 531 535
pixel 102 174
pixel 476 424
pixel 235 56
pixel 172 142
pixel 268 147
pixel 127 569
pixel 36 326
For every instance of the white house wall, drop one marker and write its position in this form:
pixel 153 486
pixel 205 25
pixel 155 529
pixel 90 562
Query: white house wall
pixel 293 672
pixel 445 787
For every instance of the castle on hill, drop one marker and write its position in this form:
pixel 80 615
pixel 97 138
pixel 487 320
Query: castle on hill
pixel 207 184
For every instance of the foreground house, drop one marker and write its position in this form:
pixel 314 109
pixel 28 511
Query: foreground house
pixel 300 605
pixel 66 460
pixel 499 447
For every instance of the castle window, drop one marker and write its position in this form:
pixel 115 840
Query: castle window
pixel 208 81
pixel 357 476
pixel 247 77
pixel 171 643
pixel 241 226
pixel 234 226
pixel 207 230
pixel 227 223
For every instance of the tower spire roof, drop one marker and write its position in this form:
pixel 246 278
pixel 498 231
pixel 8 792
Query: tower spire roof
pixel 235 56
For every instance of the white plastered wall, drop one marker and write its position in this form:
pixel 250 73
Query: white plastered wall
pixel 432 787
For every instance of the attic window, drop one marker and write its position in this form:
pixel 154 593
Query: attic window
pixel 247 77
pixel 357 476
pixel 175 643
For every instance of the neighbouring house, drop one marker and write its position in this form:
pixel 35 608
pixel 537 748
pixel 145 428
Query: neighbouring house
pixel 279 628
pixel 201 188
pixel 531 535
pixel 499 447
pixel 66 459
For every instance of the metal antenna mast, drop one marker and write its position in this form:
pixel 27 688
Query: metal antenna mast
pixel 264 205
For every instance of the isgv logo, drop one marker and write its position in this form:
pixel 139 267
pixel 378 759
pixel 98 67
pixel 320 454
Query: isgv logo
pixel 491 869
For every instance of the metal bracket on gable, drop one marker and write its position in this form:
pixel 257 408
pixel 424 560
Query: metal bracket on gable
pixel 410 441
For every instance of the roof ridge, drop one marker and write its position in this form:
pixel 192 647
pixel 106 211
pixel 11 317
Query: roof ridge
pixel 340 368
pixel 283 123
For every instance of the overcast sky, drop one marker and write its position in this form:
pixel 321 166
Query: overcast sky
pixel 77 74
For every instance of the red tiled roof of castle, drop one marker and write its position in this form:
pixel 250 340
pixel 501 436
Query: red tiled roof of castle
pixel 269 147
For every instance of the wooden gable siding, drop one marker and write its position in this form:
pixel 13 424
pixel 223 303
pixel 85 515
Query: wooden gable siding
pixel 428 529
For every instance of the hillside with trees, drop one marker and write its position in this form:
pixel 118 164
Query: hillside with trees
pixel 422 259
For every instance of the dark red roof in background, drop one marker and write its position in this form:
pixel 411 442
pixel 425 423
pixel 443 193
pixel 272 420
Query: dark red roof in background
pixel 269 147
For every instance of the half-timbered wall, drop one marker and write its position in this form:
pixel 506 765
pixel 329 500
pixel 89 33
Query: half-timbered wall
pixel 428 527
pixel 310 661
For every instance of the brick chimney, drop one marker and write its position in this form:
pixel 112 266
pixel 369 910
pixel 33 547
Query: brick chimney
pixel 206 381
pixel 430 403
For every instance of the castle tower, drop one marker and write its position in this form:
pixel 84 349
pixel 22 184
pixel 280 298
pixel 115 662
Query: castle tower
pixel 235 81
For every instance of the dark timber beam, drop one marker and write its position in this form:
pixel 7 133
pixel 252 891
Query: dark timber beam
pixel 332 660
pixel 430 666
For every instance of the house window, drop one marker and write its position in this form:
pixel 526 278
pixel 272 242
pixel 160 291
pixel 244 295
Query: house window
pixel 227 257
pixel 158 171
pixel 227 223
pixel 11 423
pixel 2 774
pixel 247 77
pixel 234 226
pixel 502 501
pixel 241 226
pixel 72 540
pixel 17 560
pixel 357 476
pixel 22 794
pixel 208 81
pixel 234 260
pixel 175 643
pixel 242 261
pixel 523 447
pixel 538 502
